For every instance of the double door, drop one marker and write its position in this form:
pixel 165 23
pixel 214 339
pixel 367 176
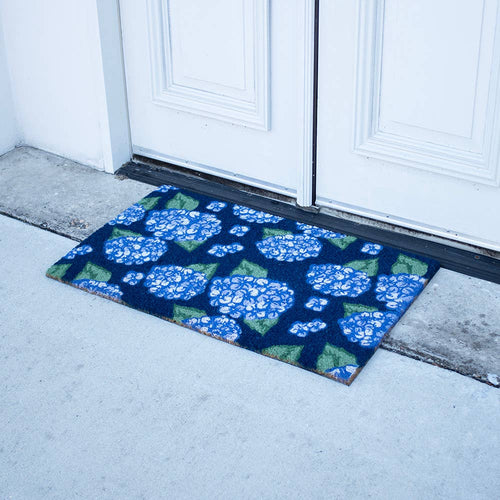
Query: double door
pixel 408 102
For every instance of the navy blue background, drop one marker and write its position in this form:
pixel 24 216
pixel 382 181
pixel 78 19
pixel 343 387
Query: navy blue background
pixel 294 274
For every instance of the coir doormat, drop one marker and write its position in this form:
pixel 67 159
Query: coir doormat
pixel 318 299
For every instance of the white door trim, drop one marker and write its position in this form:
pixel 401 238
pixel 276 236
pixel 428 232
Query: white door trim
pixel 110 86
pixel 305 178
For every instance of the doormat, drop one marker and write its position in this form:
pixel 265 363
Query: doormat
pixel 311 297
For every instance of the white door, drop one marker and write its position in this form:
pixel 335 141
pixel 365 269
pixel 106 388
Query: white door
pixel 409 114
pixel 224 87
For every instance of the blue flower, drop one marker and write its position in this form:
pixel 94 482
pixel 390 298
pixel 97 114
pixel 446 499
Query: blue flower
pixel 100 287
pixel 398 290
pixel 175 282
pixel 367 328
pixel 166 188
pixel 250 297
pixel 223 250
pixel 239 230
pixel 81 250
pixel 217 326
pixel 303 329
pixel 251 215
pixel 371 248
pixel 316 303
pixel 132 214
pixel 216 206
pixel 318 232
pixel 339 281
pixel 182 225
pixel 132 277
pixel 130 250
pixel 343 372
pixel 289 247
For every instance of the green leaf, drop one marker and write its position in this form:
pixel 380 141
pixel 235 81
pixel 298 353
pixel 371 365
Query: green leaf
pixel 190 245
pixel 261 325
pixel 149 203
pixel 119 233
pixel 333 357
pixel 207 269
pixel 248 268
pixel 93 272
pixel 288 353
pixel 356 308
pixel 268 231
pixel 182 201
pixel 58 270
pixel 409 265
pixel 342 243
pixel 369 266
pixel 182 312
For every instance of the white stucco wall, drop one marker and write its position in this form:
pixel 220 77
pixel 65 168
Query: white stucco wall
pixel 9 132
pixel 51 55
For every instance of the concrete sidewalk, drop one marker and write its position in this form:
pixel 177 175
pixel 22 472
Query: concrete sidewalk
pixel 101 401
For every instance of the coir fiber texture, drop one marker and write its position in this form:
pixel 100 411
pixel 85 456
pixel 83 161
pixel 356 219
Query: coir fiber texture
pixel 318 299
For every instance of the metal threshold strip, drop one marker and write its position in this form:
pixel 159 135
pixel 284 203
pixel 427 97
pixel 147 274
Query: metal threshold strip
pixel 455 259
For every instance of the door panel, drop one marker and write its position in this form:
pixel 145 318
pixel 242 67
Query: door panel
pixel 221 86
pixel 408 114
pixel 223 71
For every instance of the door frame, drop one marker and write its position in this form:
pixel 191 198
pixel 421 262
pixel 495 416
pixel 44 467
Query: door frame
pixel 110 85
pixel 113 105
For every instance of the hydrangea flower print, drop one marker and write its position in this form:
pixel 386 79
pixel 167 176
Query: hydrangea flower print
pixel 175 282
pixel 239 230
pixel 372 248
pixel 339 281
pixel 137 250
pixel 132 277
pixel 316 303
pixel 343 372
pixel 250 297
pixel 318 232
pixel 182 225
pixel 81 250
pixel 223 250
pixel 367 328
pixel 165 188
pixel 290 247
pixel 132 214
pixel 398 290
pixel 100 287
pixel 251 215
pixel 218 326
pixel 303 329
pixel 216 206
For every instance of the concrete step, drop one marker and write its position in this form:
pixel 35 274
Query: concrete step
pixel 454 324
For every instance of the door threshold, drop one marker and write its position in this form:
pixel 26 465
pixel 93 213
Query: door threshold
pixel 456 259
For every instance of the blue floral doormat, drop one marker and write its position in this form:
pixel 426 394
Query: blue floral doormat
pixel 314 298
